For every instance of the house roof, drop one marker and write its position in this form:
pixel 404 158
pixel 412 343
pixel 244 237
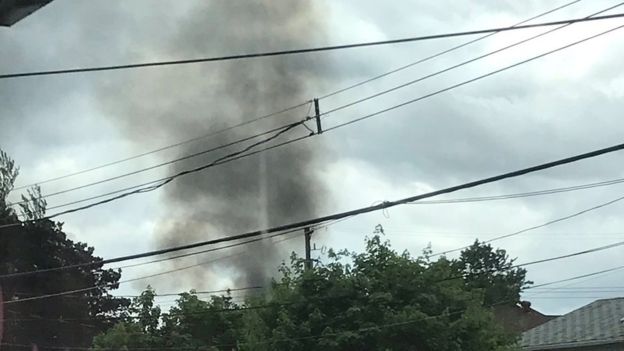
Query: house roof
pixel 598 323
pixel 520 317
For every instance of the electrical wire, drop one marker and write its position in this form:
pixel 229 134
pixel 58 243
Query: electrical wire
pixel 359 211
pixel 100 286
pixel 560 219
pixel 304 50
pixel 287 109
pixel 461 64
pixel 367 209
pixel 163 148
pixel 376 327
pixel 579 277
pixel 325 113
pixel 574 254
pixel 438 54
pixel 164 181
pixel 431 202
pixel 357 119
pixel 159 165
pixel 480 77
pixel 95 287
pixel 114 284
pixel 523 194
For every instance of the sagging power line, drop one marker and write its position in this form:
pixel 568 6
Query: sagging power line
pixel 379 112
pixel 341 215
pixel 290 108
pixel 304 50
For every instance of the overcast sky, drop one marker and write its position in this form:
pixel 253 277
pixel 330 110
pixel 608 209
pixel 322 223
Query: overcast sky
pixel 557 106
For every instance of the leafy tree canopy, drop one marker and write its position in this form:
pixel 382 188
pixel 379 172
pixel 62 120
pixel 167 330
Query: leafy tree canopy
pixel 375 300
pixel 37 244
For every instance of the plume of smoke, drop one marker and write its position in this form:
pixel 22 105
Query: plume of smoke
pixel 176 103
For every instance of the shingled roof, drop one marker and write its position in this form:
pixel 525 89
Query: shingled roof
pixel 599 323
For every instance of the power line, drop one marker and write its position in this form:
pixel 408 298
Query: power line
pixel 585 288
pixel 448 201
pixel 287 109
pixel 362 210
pixel 178 269
pixel 370 115
pixel 523 194
pixel 108 285
pixel 325 113
pixel 438 54
pixel 163 148
pixel 302 51
pixel 560 219
pixel 574 254
pixel 162 164
pixel 579 277
pixel 168 258
pixel 462 276
pixel 480 77
pixel 461 64
pixel 386 204
pixel 338 216
pixel 335 127
pixel 88 264
pixel 445 314
pixel 100 286
pixel 153 185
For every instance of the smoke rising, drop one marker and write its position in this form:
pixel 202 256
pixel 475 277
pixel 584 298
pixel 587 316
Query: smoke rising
pixel 176 103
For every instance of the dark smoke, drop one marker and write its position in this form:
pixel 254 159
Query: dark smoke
pixel 175 103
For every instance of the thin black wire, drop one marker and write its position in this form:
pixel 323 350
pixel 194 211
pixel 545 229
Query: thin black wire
pixel 19 274
pixel 150 183
pixel 560 219
pixel 305 50
pixel 217 132
pixel 428 58
pixel 336 92
pixel 550 259
pixel 88 264
pixel 524 194
pixel 574 254
pixel 461 64
pixel 162 164
pixel 340 107
pixel 437 92
pixel 102 286
pixel 338 216
pixel 371 208
pixel 163 181
pixel 360 118
pixel 445 314
pixel 579 277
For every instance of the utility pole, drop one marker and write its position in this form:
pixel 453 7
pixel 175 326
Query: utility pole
pixel 307 232
pixel 317 116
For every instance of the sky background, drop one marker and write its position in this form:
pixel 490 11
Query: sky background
pixel 557 106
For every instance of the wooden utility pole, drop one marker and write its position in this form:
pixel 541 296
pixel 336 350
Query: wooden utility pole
pixel 308 250
pixel 317 115
pixel 308 231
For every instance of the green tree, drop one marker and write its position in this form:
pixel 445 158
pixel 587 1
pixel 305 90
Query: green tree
pixel 375 300
pixel 378 300
pixel 493 272
pixel 37 244
pixel 192 323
